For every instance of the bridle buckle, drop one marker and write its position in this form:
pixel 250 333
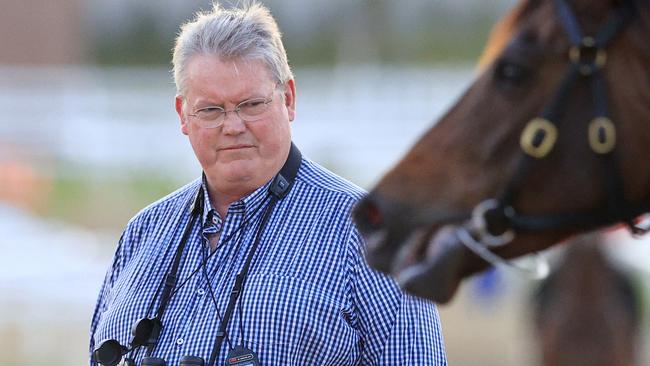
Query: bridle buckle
pixel 588 56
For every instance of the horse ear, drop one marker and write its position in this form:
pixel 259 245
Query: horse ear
pixel 503 31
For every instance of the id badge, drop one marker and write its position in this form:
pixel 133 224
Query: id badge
pixel 242 356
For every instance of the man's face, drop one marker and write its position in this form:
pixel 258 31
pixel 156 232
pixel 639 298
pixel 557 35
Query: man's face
pixel 237 157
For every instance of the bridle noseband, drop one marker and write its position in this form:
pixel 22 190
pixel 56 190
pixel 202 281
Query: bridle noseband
pixel 495 222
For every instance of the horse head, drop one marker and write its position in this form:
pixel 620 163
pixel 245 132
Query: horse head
pixel 548 141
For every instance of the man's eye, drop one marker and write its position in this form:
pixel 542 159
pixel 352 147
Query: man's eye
pixel 253 107
pixel 210 109
pixel 252 103
pixel 209 112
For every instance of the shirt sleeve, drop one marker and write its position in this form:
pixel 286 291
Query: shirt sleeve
pixel 395 328
pixel 104 293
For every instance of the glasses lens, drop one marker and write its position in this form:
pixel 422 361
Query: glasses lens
pixel 209 114
pixel 253 109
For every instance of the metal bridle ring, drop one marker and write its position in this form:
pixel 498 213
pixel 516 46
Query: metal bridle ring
pixel 608 143
pixel 528 136
pixel 480 228
pixel 576 53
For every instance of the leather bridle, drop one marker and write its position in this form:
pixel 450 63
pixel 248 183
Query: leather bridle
pixel 495 222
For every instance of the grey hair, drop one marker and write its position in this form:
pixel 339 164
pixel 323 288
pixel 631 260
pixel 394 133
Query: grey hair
pixel 249 32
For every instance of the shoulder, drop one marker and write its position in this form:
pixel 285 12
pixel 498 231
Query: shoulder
pixel 322 201
pixel 323 181
pixel 166 208
pixel 152 223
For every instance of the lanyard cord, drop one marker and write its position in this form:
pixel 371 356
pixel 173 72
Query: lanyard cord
pixel 150 333
pixel 208 279
pixel 224 242
pixel 198 200
pixel 279 188
pixel 168 286
pixel 238 286
pixel 214 300
pixel 170 279
pixel 146 331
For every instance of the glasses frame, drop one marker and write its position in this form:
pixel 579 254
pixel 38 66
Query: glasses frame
pixel 218 122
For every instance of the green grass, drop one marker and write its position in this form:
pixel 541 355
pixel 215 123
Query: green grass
pixel 104 203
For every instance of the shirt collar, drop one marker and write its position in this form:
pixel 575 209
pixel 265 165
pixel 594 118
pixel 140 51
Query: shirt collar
pixel 245 205
pixel 209 213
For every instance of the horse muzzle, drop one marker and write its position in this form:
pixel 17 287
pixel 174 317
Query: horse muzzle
pixel 425 259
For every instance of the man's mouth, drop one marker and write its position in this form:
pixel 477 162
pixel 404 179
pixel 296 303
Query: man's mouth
pixel 236 147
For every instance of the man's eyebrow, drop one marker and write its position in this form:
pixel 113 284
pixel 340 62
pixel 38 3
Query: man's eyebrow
pixel 202 103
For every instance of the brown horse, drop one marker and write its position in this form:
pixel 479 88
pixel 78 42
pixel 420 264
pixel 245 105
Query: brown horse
pixel 587 312
pixel 550 140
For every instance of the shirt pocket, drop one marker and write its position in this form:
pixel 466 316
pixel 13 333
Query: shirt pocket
pixel 290 320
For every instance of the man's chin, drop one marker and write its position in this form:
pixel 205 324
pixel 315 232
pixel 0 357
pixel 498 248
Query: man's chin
pixel 234 172
pixel 232 155
pixel 239 171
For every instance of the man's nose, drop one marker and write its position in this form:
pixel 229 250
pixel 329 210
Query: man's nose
pixel 232 123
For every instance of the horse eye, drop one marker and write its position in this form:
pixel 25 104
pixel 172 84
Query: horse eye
pixel 510 72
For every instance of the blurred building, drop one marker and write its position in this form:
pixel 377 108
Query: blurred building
pixel 42 32
pixel 55 32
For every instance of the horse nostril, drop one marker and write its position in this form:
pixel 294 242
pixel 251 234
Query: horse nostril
pixel 368 215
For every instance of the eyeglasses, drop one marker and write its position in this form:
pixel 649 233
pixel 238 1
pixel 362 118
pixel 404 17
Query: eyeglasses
pixel 249 110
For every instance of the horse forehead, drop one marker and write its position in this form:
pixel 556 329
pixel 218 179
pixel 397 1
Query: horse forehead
pixel 540 18
pixel 593 8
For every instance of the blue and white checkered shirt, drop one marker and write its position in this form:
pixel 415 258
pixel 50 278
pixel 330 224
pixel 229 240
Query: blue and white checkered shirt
pixel 309 298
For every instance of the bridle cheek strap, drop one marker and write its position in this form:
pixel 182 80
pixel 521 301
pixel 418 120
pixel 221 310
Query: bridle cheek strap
pixel 587 59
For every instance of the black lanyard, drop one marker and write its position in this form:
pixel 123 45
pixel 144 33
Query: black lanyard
pixel 279 188
pixel 146 331
pixel 150 332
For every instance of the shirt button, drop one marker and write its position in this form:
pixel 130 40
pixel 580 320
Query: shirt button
pixel 200 292
pixel 215 220
pixel 180 341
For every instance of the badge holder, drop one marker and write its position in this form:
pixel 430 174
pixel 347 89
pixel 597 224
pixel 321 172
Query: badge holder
pixel 242 356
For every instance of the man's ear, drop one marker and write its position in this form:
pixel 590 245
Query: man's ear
pixel 178 103
pixel 290 98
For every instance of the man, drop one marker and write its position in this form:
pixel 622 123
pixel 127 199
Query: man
pixel 257 262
